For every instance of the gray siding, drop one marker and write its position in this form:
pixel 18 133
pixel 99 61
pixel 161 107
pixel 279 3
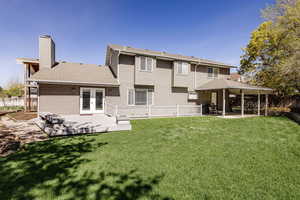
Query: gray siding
pixel 142 77
pixel 59 99
pixel 164 93
pixel 202 76
pixel 183 80
pixel 65 99
pixel 126 78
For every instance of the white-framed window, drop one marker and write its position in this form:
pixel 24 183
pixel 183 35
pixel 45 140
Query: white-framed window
pixel 212 72
pixel 146 64
pixel 140 96
pixel 182 67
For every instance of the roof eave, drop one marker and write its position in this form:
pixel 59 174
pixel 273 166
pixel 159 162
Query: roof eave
pixel 24 60
pixel 164 57
pixel 74 82
pixel 240 88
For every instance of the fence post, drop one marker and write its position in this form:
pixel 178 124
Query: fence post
pixel 116 110
pixel 200 109
pixel 149 110
pixel 177 110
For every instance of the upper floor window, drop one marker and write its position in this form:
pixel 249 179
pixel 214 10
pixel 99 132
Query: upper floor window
pixel 212 72
pixel 182 67
pixel 146 64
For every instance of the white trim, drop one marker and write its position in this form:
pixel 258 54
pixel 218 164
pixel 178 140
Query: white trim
pixel 133 96
pixel 73 82
pixel 195 77
pixel 92 109
pixel 141 89
pixel 146 64
pixel 182 63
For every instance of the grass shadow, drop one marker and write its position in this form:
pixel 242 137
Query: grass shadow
pixel 52 166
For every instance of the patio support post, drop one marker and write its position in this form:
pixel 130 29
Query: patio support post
pixel 266 106
pixel 177 110
pixel 29 99
pixel 224 103
pixel 201 110
pixel 258 103
pixel 242 103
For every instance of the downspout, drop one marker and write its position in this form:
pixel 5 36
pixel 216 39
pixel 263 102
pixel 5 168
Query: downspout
pixel 195 77
pixel 118 71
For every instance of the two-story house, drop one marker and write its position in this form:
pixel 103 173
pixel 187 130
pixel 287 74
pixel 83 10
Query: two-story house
pixel 130 79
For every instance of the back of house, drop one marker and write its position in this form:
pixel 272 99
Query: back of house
pixel 131 81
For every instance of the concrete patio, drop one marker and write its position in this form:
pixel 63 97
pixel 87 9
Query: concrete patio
pixel 79 124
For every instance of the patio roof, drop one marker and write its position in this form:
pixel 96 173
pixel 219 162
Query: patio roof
pixel 217 84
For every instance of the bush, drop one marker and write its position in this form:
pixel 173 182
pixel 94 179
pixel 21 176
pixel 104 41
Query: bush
pixel 278 111
pixel 8 108
pixel 295 109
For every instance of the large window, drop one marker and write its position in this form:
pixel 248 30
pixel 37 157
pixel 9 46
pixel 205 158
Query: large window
pixel 182 67
pixel 140 97
pixel 212 72
pixel 146 64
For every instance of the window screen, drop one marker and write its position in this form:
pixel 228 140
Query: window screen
pixel 146 64
pixel 182 68
pixel 141 97
pixel 143 63
pixel 210 72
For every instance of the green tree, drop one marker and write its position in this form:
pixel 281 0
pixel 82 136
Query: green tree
pixel 15 88
pixel 272 57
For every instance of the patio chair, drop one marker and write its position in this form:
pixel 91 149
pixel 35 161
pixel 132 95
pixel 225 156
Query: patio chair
pixel 213 109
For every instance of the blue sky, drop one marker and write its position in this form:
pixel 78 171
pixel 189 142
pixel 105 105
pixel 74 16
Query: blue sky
pixel 212 29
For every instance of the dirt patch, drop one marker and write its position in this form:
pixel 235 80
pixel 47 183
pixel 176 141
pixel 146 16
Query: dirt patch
pixel 23 115
pixel 14 134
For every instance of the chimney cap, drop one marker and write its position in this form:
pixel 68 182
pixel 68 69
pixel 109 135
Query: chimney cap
pixel 45 36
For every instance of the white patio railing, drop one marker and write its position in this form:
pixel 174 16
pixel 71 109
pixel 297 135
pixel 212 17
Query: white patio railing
pixel 154 111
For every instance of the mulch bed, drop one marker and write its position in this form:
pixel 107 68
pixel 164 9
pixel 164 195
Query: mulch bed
pixel 8 142
pixel 23 115
pixel 15 133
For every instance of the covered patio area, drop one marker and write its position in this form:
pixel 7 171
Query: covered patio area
pixel 229 87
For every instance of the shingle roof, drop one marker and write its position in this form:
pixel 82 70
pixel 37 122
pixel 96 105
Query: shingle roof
pixel 229 84
pixel 76 73
pixel 126 49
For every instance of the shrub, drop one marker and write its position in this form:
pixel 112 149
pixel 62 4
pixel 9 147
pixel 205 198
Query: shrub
pixel 277 111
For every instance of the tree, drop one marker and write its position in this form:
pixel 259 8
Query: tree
pixel 15 88
pixel 272 57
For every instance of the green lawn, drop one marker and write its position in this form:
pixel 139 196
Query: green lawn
pixel 172 158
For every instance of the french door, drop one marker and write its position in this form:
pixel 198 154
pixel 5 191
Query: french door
pixel 92 100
